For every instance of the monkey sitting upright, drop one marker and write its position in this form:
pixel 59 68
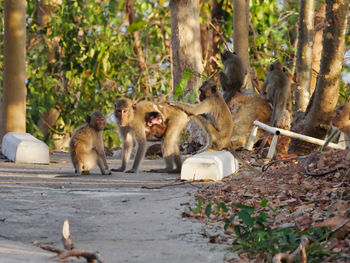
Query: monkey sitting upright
pixel 233 78
pixel 217 119
pixel 86 145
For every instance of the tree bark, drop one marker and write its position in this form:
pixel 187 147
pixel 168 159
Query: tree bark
pixel 185 40
pixel 317 48
pixel 304 54
pixel 14 111
pixel 241 34
pixel 129 4
pixel 317 120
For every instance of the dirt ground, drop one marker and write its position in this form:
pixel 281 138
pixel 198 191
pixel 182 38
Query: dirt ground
pixel 302 201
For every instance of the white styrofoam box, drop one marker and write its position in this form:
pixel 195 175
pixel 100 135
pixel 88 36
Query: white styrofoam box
pixel 211 165
pixel 24 148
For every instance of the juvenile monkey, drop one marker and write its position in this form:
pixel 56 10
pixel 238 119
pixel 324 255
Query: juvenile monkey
pixel 233 78
pixel 217 118
pixel 278 90
pixel 86 145
pixel 134 126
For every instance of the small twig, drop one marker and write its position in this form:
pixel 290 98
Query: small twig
pixel 222 37
pixel 288 258
pixel 167 185
pixel 69 250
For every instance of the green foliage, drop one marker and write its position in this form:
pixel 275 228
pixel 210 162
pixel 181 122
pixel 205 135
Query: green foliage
pixel 254 235
pixel 181 88
pixel 83 59
pixel 272 34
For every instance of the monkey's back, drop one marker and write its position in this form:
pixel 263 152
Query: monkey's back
pixel 82 141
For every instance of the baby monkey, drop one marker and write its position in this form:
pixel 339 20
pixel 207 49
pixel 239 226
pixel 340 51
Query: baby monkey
pixel 86 145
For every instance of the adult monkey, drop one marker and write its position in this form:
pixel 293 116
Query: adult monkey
pixel 217 119
pixel 86 145
pixel 233 76
pixel 277 84
pixel 135 124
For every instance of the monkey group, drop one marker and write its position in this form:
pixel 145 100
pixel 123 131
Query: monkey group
pixel 146 121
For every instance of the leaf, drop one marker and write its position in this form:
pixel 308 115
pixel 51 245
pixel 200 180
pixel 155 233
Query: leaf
pixel 136 26
pixel 246 218
pixel 208 209
pixel 263 202
pixel 199 205
pixel 222 206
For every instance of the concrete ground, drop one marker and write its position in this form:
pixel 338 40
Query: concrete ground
pixel 123 216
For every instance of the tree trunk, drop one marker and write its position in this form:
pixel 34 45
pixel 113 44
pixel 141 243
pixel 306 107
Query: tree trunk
pixel 317 120
pixel 304 54
pixel 137 47
pixel 317 48
pixel 241 34
pixel 14 111
pixel 185 40
pixel 210 38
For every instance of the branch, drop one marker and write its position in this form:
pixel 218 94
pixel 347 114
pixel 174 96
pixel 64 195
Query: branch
pixel 69 250
pixel 288 258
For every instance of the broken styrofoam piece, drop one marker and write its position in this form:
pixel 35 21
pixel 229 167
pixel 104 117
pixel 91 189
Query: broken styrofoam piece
pixel 210 165
pixel 24 148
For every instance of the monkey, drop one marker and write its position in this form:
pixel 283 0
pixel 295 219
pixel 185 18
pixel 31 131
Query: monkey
pixel 217 119
pixel 233 76
pixel 277 85
pixel 86 145
pixel 156 126
pixel 341 118
pixel 132 123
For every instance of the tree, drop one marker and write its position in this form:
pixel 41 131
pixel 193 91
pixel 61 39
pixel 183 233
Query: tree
pixel 14 96
pixel 304 54
pixel 241 34
pixel 186 45
pixel 325 97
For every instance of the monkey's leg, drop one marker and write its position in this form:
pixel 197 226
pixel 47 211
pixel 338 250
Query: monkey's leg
pixel 104 169
pixel 170 147
pixel 127 148
pixel 141 150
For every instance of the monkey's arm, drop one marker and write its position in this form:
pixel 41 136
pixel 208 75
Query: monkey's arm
pixel 264 87
pixel 224 80
pixel 194 109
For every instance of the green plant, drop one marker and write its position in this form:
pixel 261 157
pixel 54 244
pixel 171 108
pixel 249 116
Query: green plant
pixel 255 236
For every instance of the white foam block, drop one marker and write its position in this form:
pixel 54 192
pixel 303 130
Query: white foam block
pixel 24 148
pixel 209 165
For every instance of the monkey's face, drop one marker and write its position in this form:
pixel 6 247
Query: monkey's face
pixel 208 89
pixel 123 116
pixel 99 124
